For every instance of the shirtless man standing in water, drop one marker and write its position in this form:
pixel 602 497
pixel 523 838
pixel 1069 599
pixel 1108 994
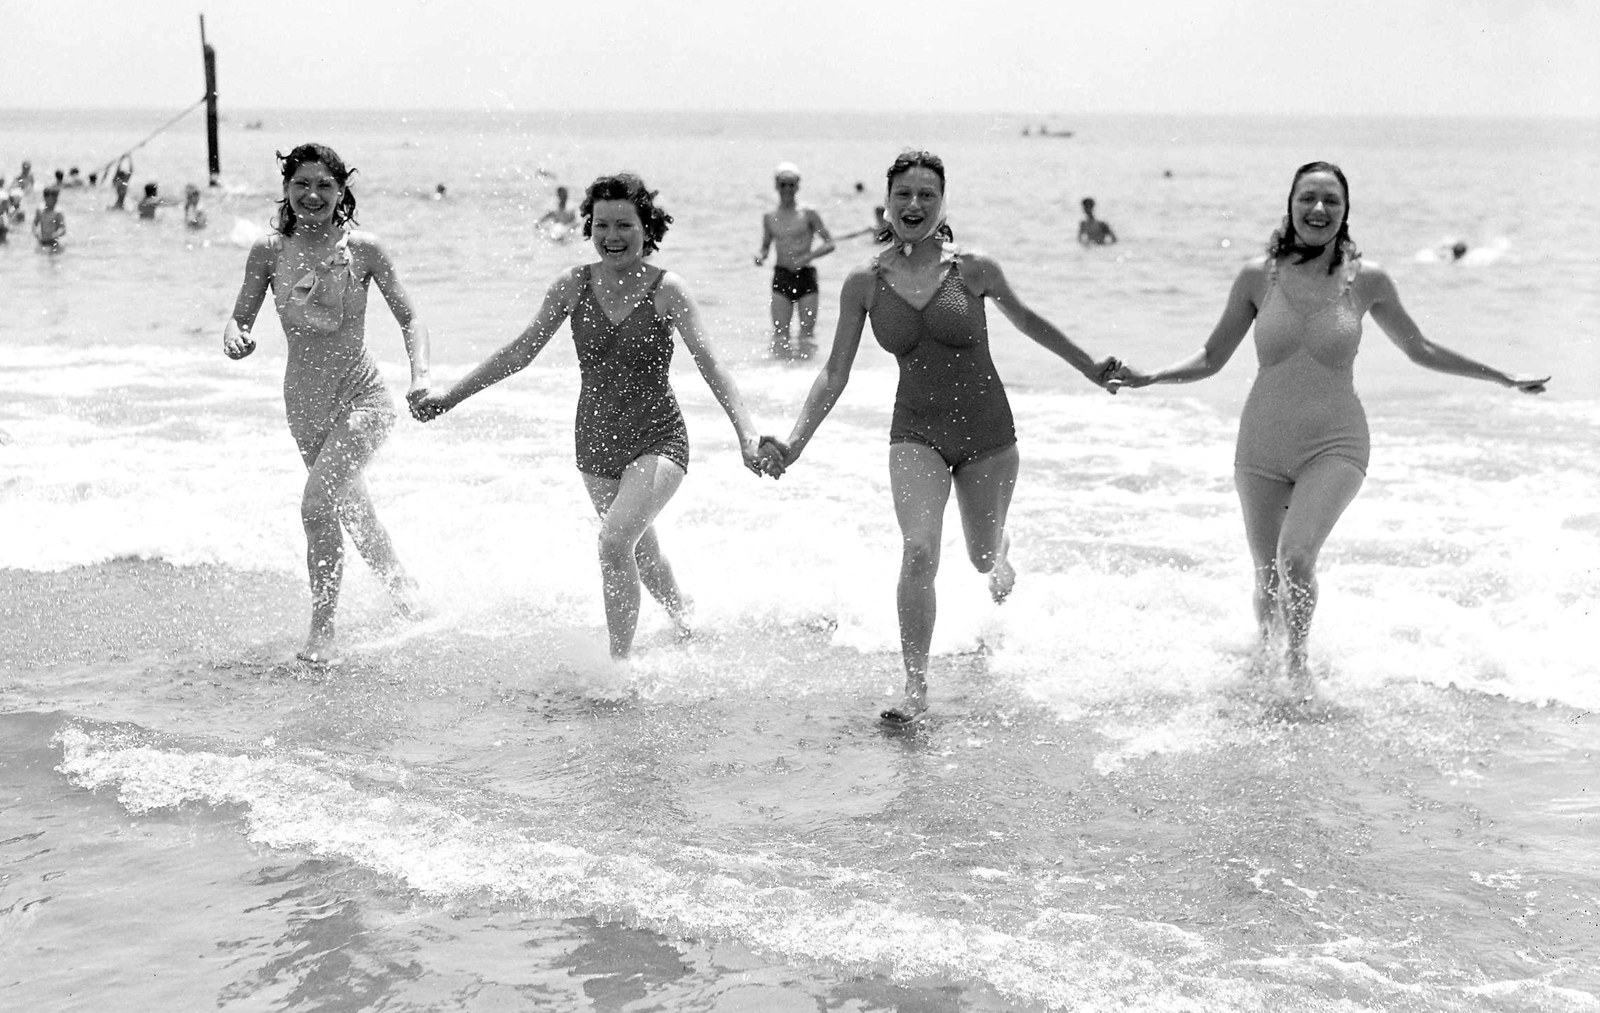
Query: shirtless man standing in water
pixel 794 281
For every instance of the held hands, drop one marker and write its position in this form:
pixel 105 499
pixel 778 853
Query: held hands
pixel 1104 372
pixel 426 405
pixel 237 344
pixel 1126 376
pixel 773 457
pixel 1528 384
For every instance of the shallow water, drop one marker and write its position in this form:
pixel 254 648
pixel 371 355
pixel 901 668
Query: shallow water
pixel 1115 806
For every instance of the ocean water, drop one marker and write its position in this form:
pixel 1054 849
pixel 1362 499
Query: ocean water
pixel 1113 808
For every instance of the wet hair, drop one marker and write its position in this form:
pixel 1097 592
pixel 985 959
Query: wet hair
pixel 1284 241
pixel 626 186
pixel 150 190
pixel 345 212
pixel 1088 204
pixel 905 162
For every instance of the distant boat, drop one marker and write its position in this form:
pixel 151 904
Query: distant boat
pixel 253 125
pixel 1045 131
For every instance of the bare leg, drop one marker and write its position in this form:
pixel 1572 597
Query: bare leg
pixel 627 510
pixel 336 466
pixel 920 481
pixel 1320 497
pixel 782 313
pixel 1265 502
pixel 655 572
pixel 372 541
pixel 983 493
pixel 806 344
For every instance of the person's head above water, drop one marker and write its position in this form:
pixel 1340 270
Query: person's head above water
pixel 314 176
pixel 786 175
pixel 1088 206
pixel 1318 214
pixel 914 209
pixel 625 186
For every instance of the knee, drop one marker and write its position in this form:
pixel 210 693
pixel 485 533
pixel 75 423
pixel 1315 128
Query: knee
pixel 919 555
pixel 616 547
pixel 1297 564
pixel 319 508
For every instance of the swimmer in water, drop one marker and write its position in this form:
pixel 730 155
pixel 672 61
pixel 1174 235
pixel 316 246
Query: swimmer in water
pixel 49 224
pixel 318 269
pixel 1303 441
pixel 1092 231
pixel 800 239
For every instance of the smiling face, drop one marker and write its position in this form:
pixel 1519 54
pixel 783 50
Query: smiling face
pixel 617 232
pixel 313 194
pixel 916 203
pixel 1317 207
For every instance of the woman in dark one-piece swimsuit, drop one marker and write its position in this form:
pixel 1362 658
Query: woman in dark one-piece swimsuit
pixel 952 425
pixel 632 447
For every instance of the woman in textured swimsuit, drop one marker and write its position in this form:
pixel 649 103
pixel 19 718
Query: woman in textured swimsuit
pixel 632 447
pixel 1303 445
pixel 318 270
pixel 952 423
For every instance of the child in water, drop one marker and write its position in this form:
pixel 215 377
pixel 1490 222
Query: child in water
pixel 50 225
pixel 149 202
pixel 193 215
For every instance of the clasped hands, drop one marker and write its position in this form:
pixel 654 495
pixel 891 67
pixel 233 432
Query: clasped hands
pixel 769 456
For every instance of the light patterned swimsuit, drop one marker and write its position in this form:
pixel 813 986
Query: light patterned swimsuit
pixel 330 374
pixel 1303 405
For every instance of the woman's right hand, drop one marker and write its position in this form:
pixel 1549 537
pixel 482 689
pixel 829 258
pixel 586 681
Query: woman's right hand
pixel 1126 376
pixel 776 456
pixel 426 405
pixel 236 344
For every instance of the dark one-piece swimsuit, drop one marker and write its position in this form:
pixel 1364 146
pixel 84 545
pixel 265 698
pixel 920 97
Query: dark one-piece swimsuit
pixel 950 398
pixel 626 409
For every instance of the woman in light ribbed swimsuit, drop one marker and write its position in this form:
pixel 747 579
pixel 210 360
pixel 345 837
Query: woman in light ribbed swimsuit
pixel 1303 445
pixel 952 425
pixel 339 410
pixel 632 447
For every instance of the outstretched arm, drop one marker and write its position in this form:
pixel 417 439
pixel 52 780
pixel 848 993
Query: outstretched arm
pixel 509 358
pixel 236 340
pixel 987 279
pixel 830 383
pixel 412 329
pixel 1231 328
pixel 820 231
pixel 1387 310
pixel 675 304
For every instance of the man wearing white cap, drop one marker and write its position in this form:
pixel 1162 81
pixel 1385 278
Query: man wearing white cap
pixel 793 230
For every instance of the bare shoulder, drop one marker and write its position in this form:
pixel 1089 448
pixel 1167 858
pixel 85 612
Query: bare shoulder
pixel 568 285
pixel 980 271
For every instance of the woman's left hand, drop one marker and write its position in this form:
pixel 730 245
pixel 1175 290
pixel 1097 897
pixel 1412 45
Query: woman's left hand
pixel 1528 384
pixel 1105 371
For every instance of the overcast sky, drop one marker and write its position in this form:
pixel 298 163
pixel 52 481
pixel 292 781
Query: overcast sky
pixel 1472 57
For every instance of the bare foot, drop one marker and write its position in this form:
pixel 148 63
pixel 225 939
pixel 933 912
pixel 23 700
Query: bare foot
pixel 911 710
pixel 407 598
pixel 319 648
pixel 1004 576
pixel 683 617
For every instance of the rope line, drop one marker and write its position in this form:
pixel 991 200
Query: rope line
pixel 153 135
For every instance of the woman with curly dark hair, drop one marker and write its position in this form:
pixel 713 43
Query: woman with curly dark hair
pixel 952 425
pixel 632 446
pixel 1303 442
pixel 318 269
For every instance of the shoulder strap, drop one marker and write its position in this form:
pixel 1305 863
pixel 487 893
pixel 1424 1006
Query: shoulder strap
pixel 650 292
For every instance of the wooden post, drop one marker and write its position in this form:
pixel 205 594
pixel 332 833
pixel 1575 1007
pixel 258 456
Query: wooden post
pixel 213 156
